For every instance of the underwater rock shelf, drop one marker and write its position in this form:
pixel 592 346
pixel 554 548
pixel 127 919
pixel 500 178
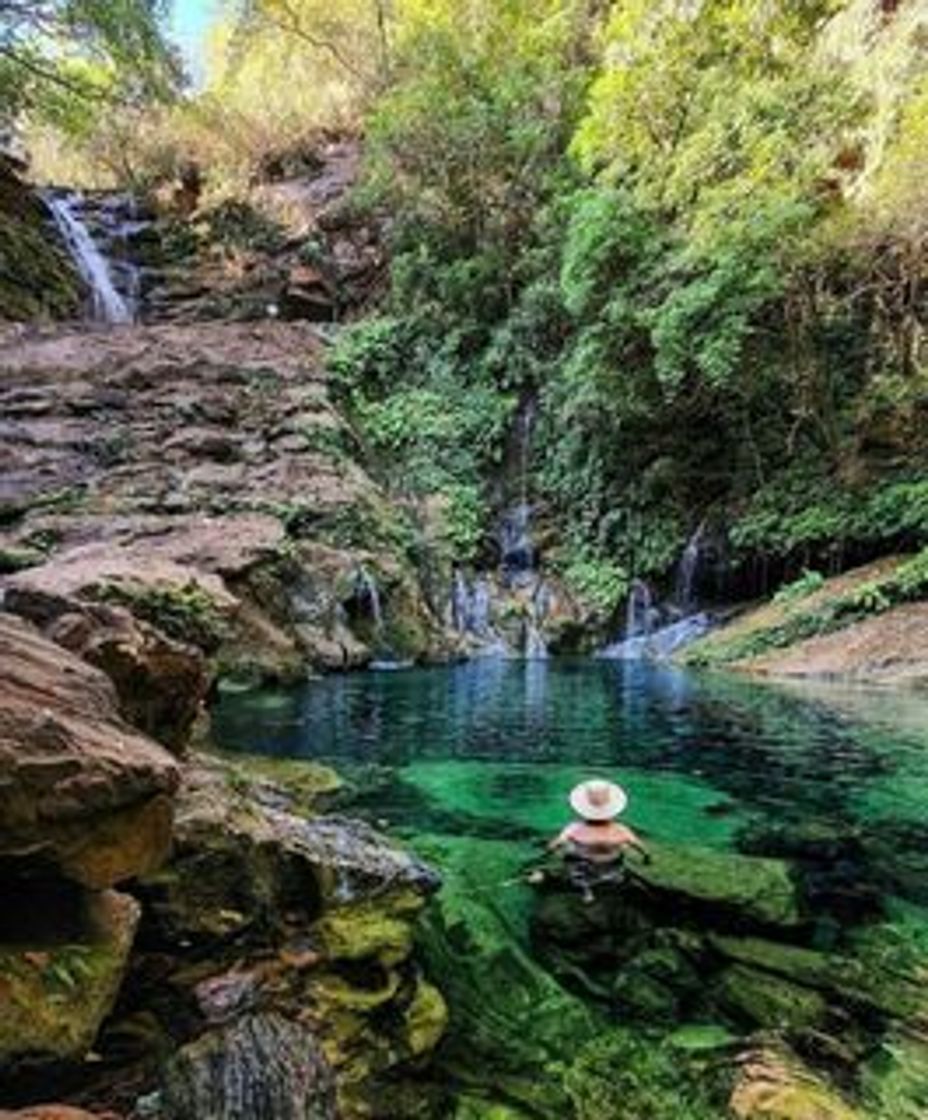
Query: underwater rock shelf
pixel 726 940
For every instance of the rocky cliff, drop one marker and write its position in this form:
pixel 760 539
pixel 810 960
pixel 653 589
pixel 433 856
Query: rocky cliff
pixel 36 277
pixel 201 479
pixel 192 934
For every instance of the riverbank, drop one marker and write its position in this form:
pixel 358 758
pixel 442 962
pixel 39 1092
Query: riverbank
pixel 866 625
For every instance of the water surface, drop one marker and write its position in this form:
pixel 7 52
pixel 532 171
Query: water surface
pixel 472 764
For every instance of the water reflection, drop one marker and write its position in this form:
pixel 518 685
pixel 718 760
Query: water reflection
pixel 790 760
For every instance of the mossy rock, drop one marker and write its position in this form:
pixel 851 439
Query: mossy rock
pixel 55 996
pixel 769 1002
pixel 854 982
pixel 894 1080
pixel 307 784
pixel 37 279
pixel 426 1019
pixel 737 889
pixel 379 929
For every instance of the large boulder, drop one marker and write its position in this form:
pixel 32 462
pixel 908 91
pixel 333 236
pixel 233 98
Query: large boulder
pixel 259 1067
pixel 80 790
pixel 292 914
pixel 243 860
pixel 161 683
pixel 56 995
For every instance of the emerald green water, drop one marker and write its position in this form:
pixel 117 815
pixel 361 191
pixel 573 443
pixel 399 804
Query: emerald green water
pixel 471 765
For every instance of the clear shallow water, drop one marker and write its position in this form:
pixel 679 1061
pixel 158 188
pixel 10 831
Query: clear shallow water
pixel 472 764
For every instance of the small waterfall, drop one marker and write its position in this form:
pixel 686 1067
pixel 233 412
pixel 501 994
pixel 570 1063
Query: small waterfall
pixel 639 613
pixel 369 593
pixel 688 570
pixel 535 646
pixel 646 638
pixel 471 606
pixel 517 550
pixel 108 304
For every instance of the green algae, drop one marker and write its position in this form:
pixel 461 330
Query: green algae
pixel 380 929
pixel 673 806
pixel 716 770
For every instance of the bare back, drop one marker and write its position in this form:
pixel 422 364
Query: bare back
pixel 599 843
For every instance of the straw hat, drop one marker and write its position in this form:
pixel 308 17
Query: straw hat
pixel 598 800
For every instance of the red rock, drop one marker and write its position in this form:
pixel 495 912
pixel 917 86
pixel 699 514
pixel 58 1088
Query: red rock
pixel 78 787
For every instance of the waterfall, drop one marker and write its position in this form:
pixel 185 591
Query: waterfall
pixel 535 646
pixel 471 606
pixel 515 542
pixel 108 305
pixel 645 639
pixel 517 550
pixel 369 593
pixel 639 613
pixel 688 570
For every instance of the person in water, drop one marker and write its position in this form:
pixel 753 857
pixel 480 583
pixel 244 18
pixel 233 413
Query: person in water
pixel 594 846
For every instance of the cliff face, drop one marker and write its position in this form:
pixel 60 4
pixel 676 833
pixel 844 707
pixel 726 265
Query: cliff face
pixel 201 478
pixel 37 281
pixel 180 503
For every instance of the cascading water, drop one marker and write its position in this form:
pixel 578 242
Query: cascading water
pixel 369 593
pixel 688 570
pixel 647 635
pixel 518 579
pixel 109 304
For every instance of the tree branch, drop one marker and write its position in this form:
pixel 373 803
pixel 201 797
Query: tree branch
pixel 293 26
pixel 54 77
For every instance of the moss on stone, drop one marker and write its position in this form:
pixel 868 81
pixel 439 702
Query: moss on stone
pixel 54 997
pixel 426 1019
pixel 36 278
pixel 379 929
pixel 306 783
pixel 752 888
pixel 769 1002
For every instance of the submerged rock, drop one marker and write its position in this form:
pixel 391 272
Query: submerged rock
pixel 261 1067
pixel 736 889
pixel 772 1084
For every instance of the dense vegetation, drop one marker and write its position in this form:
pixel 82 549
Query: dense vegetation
pixel 682 246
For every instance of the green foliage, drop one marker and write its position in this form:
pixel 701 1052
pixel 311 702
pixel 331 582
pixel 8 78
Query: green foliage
pixel 808 582
pixel 906 583
pixel 602 583
pixel 186 613
pixel 61 59
pixel 801 513
pixel 431 424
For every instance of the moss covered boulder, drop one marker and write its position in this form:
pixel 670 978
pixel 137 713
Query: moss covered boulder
pixel 268 908
pixel 728 887
pixel 56 993
pixel 37 279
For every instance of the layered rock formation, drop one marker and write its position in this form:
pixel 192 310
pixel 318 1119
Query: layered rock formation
pixel 86 803
pixel 202 479
pixel 258 959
